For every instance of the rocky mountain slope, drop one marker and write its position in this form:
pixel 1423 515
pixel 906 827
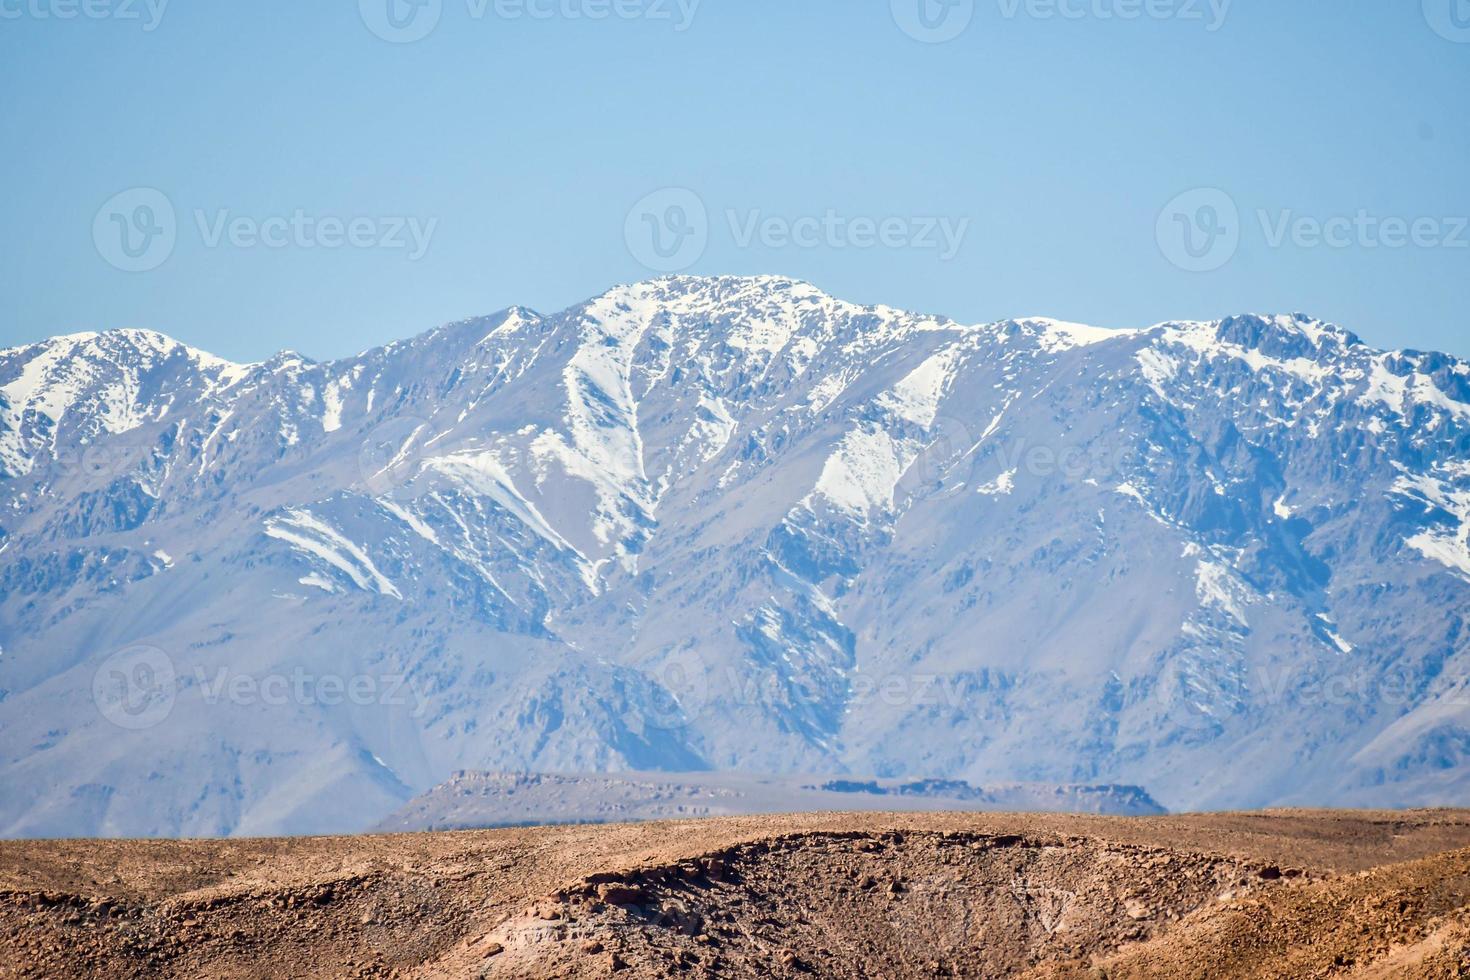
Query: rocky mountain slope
pixel 709 524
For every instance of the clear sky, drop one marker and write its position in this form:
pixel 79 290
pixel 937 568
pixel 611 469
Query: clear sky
pixel 313 179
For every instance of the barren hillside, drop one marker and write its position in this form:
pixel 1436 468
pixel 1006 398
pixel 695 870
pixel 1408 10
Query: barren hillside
pixel 1285 893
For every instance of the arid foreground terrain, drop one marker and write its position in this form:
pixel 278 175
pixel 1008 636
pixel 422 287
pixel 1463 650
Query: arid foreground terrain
pixel 1279 894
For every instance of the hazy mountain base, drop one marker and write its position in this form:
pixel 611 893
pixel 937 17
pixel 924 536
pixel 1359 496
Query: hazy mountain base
pixel 472 800
pixel 729 524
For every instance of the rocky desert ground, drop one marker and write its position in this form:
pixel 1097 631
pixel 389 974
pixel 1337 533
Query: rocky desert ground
pixel 1281 894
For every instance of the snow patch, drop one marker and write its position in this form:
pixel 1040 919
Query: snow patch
pixel 1001 486
pixel 1450 546
pixel 1330 628
pixel 1401 394
pixel 1056 336
pixel 1218 586
pixel 917 397
pixel 318 582
pixel 1159 369
pixel 312 536
pixel 861 475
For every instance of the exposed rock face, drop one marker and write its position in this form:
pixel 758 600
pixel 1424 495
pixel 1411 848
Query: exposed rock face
pixel 712 524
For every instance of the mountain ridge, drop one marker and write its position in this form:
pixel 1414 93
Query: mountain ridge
pixel 1297 318
pixel 732 523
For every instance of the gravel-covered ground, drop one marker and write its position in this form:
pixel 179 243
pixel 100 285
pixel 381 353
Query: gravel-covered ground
pixel 1280 894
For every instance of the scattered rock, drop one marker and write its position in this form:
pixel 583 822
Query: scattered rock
pixel 1136 910
pixel 614 894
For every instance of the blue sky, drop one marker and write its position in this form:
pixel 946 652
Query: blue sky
pixel 332 190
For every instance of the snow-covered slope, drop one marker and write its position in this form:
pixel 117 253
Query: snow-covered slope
pixel 729 523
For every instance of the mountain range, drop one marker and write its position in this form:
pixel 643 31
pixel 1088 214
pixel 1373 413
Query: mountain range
pixel 478 800
pixel 720 524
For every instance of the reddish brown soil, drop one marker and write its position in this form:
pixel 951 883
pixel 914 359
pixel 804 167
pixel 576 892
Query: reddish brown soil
pixel 1281 894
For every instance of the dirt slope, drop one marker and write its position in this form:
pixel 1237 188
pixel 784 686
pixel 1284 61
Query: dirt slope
pixel 1281 894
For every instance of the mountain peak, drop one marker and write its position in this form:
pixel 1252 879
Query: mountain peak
pixel 1285 335
pixel 731 521
pixel 707 292
pixel 1053 334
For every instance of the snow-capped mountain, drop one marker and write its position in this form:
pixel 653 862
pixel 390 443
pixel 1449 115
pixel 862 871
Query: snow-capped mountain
pixel 729 523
